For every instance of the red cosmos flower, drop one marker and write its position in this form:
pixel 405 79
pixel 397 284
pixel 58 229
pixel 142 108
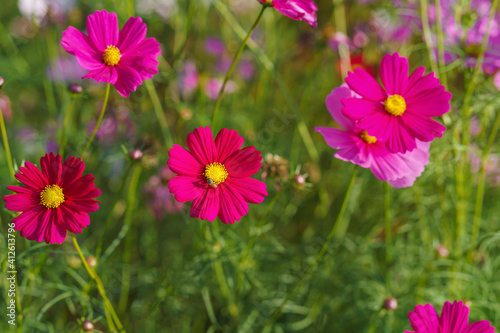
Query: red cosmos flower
pixel 215 175
pixel 55 200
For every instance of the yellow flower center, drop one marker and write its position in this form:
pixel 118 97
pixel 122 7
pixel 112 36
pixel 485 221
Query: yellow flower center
pixel 395 105
pixel 52 196
pixel 111 56
pixel 367 138
pixel 216 172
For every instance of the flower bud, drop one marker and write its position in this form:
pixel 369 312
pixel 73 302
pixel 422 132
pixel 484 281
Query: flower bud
pixel 2 82
pixel 136 154
pixel 186 114
pixel 300 180
pixel 75 89
pixel 88 325
pixel 442 251
pixel 91 261
pixel 391 304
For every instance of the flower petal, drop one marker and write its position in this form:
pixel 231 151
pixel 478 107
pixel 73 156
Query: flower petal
pixel 32 177
pixel 202 146
pixel 187 188
pixel 361 82
pixel 357 108
pixel 103 74
pixel 102 28
pixel 454 318
pixel 183 163
pixel 334 105
pixel 244 163
pixel 132 33
pixel 232 205
pixel 206 206
pixel 52 168
pixel 424 319
pixel 227 142
pixel 337 138
pixel 252 190
pixel 394 73
pixel 78 44
pixel 143 58
pixel 127 79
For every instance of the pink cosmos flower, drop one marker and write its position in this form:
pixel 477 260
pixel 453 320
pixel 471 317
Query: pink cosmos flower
pixel 215 175
pixel 55 200
pixel 302 10
pixel 356 146
pixel 400 113
pixel 454 319
pixel 124 58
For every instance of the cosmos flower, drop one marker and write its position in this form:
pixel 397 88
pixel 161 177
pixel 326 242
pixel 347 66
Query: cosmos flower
pixel 302 10
pixel 54 200
pixel 124 58
pixel 401 113
pixel 356 146
pixel 215 175
pixel 454 319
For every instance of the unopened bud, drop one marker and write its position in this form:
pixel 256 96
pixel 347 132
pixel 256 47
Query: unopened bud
pixel 88 325
pixel 2 82
pixel 300 180
pixel 75 89
pixel 91 261
pixel 391 304
pixel 186 114
pixel 136 154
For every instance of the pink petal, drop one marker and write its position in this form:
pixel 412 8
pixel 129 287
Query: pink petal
pixel 337 138
pixel 454 318
pixel 357 108
pixel 252 190
pixel 202 146
pixel 386 165
pixel 394 74
pixel 206 206
pixel 78 44
pixel 424 319
pixel 32 177
pixel 431 103
pixel 142 58
pixel 102 28
pixel 127 79
pixel 244 163
pixel 131 35
pixel 403 182
pixel 232 204
pixel 226 143
pixel 365 85
pixel 52 168
pixel 378 124
pixel 334 105
pixel 421 127
pixel 183 163
pixel 103 74
pixel 54 232
pixel 187 188
pixel 353 155
pixel 72 170
pixel 482 326
pixel 401 138
pixel 21 202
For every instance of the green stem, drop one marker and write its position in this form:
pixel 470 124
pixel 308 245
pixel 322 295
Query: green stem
pixel 107 304
pixel 320 255
pixel 96 127
pixel 269 66
pixel 6 147
pixel 65 123
pixel 162 120
pixel 235 60
pixel 424 14
pixel 387 223
pixel 481 185
pixel 341 26
pixel 440 43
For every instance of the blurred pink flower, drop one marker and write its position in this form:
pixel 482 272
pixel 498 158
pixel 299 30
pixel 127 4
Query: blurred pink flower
pixel 246 69
pixel 340 38
pixel 454 319
pixel 356 146
pixel 123 58
pixel 215 175
pixel 401 112
pixel 188 79
pixel 214 46
pixel 159 200
pixel 65 69
pixel 212 88
pixel 5 106
pixel 302 10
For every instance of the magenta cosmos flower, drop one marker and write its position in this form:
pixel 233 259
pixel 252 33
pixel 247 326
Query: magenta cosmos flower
pixel 302 10
pixel 124 58
pixel 356 146
pixel 55 200
pixel 400 113
pixel 454 319
pixel 215 175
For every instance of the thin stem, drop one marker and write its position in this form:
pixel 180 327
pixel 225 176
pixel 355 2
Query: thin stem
pixel 424 14
pixel 340 26
pixel 6 147
pixel 96 127
pixel 107 304
pixel 387 223
pixel 162 120
pixel 481 185
pixel 65 123
pixel 440 43
pixel 320 255
pixel 233 64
